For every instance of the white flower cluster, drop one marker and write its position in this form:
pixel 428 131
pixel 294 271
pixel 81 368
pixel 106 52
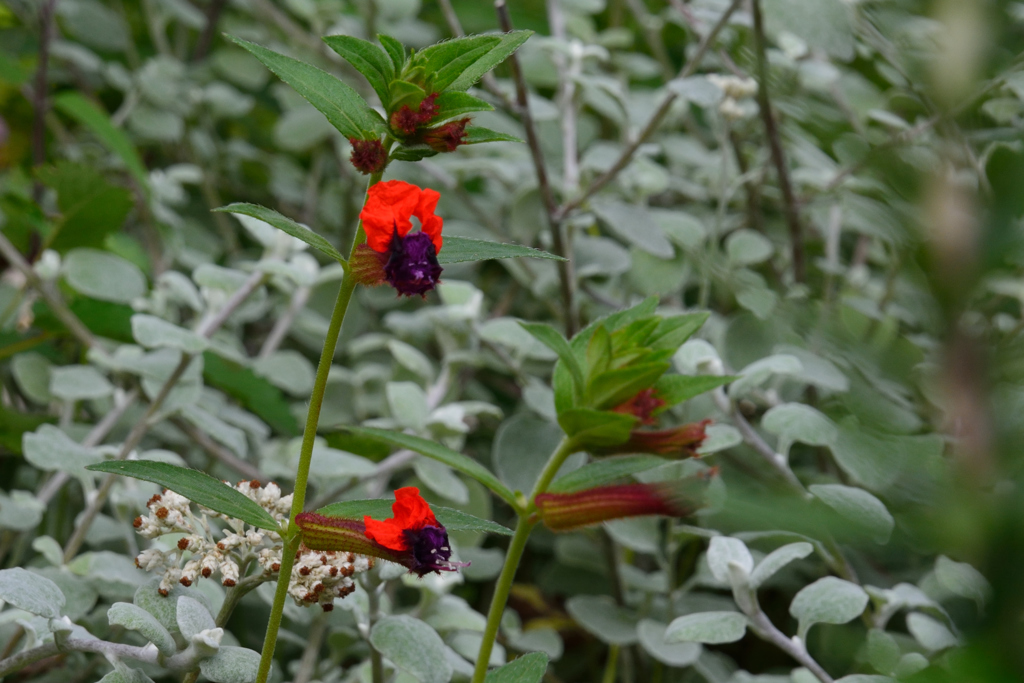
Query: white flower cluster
pixel 737 91
pixel 318 577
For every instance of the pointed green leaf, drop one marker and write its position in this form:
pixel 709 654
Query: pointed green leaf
pixel 415 153
pixel 508 44
pixel 596 427
pixel 197 486
pixel 611 388
pixel 553 339
pixel 405 93
pixel 451 104
pixel 367 59
pixel 603 471
pixel 287 225
pixel 436 451
pixel 462 249
pixel 395 50
pixel 529 668
pixel 380 508
pixel 672 332
pixel 476 135
pixel 447 60
pixel 674 389
pixel 95 119
pixel 343 107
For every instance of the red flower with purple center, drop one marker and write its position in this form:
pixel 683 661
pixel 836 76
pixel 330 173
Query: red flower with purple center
pixel 409 258
pixel 413 530
pixel 413 537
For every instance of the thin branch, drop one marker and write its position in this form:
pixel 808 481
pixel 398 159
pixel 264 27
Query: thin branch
pixel 792 210
pixel 205 329
pixel 650 26
pixel 93 438
pixel 566 275
pixel 40 101
pixel 794 647
pixel 213 12
pixel 53 298
pixel 755 441
pixel 284 323
pixel 218 452
pixel 656 118
pixel 568 71
pixel 311 654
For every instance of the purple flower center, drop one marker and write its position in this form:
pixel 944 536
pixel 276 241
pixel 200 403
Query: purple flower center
pixel 430 550
pixel 412 267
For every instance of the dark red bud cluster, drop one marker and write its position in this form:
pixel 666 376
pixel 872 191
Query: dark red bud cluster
pixel 407 121
pixel 368 156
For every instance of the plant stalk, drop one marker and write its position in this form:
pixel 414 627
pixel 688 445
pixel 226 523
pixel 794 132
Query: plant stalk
pixel 316 401
pixel 515 552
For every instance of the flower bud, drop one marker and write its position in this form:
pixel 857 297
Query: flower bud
pixel 368 156
pixel 569 511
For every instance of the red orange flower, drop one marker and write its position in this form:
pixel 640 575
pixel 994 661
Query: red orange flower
pixel 405 259
pixel 413 537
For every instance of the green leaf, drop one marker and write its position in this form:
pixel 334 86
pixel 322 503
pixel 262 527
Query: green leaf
pixel 827 601
pixel 197 486
pixel 611 388
pixel 860 508
pixel 416 153
pixel 598 428
pixel 395 50
pixel 153 333
pixel 135 618
pixel 478 134
pixel 193 617
pixel 412 646
pixel 462 249
pixel 529 668
pixel 380 509
pixel 287 225
pixel 932 634
pixel 827 25
pixel 95 119
pixel 725 550
pixel 343 107
pixel 252 391
pixel 603 471
pixel 777 559
pixel 798 422
pixel 707 627
pixel 33 593
pixel 367 59
pixel 447 60
pixel 554 340
pixel 652 638
pixel 91 208
pixel 231 664
pixel 602 617
pixel 672 332
pixel 434 450
pixel 674 389
pixel 508 44
pixel 451 104
pixel 404 93
pixel 101 275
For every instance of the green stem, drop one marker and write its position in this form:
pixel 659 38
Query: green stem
pixel 515 553
pixel 501 591
pixel 611 665
pixel 316 401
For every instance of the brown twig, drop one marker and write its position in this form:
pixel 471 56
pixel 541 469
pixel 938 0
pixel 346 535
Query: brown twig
pixel 565 270
pixel 213 12
pixel 792 210
pixel 656 118
pixel 40 101
pixel 216 451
